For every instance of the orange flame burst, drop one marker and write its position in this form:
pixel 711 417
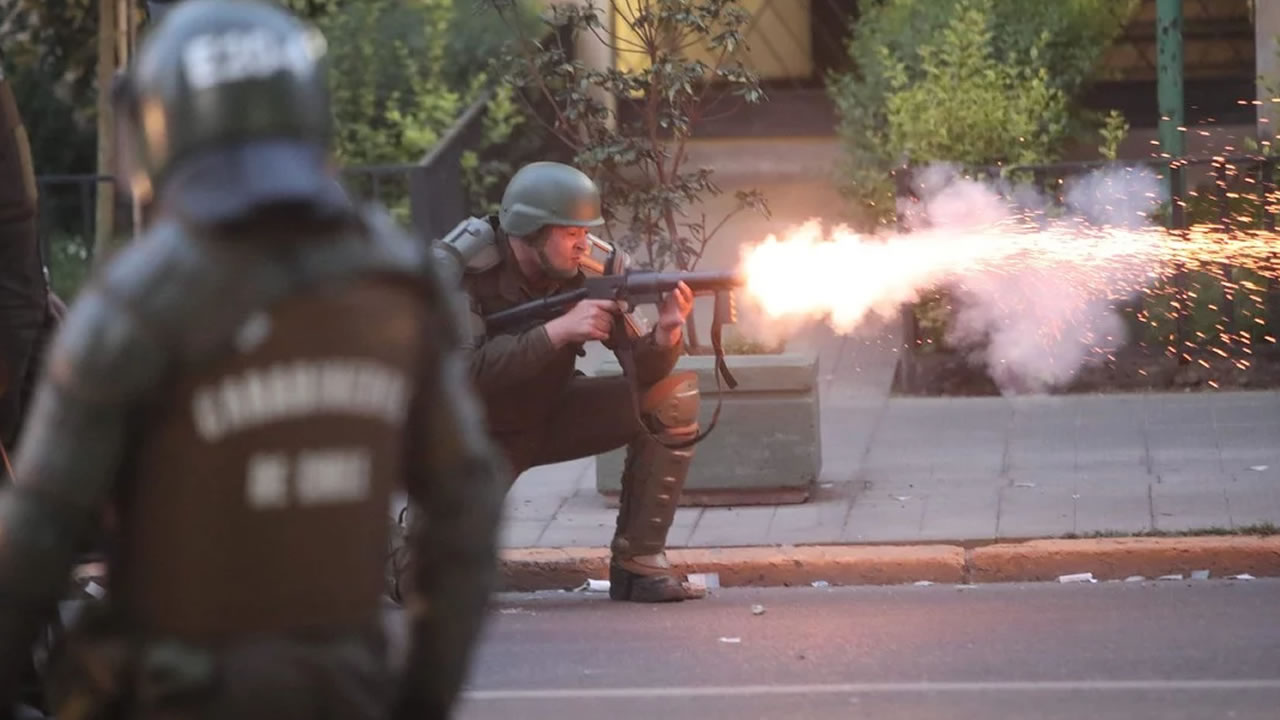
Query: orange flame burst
pixel 845 275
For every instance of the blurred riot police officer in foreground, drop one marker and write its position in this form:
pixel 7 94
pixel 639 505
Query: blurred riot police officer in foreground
pixel 244 387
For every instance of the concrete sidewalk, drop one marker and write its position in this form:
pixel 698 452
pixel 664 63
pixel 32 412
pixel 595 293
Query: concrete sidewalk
pixel 909 470
pixel 968 470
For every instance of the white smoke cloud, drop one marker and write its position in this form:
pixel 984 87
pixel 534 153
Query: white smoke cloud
pixel 1033 281
pixel 1035 326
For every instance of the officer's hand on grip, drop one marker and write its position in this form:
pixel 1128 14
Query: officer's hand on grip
pixel 675 310
pixel 588 320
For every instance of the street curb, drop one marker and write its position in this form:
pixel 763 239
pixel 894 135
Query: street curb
pixel 529 569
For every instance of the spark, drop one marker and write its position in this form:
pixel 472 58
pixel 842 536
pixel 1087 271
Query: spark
pixel 1054 272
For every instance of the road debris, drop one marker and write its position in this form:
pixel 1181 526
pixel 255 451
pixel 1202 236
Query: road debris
pixel 1024 484
pixel 820 583
pixel 731 640
pixel 901 498
pixel 1258 468
pixel 1243 576
pixel 595 586
pixel 757 609
pixel 1077 578
pixel 1171 577
pixel 922 583
pixel 710 581
pixel 1199 574
pixel 1134 578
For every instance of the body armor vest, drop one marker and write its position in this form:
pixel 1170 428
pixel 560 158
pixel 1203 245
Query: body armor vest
pixel 260 500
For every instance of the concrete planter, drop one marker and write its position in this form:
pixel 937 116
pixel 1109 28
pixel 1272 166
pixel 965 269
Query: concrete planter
pixel 765 449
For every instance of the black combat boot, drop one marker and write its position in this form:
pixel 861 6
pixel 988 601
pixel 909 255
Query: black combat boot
pixel 649 579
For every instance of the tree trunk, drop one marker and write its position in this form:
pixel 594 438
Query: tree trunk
pixel 104 224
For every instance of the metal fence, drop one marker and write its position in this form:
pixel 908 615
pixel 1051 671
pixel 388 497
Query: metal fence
pixel 429 196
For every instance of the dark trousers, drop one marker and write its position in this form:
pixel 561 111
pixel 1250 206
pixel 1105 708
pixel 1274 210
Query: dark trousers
pixel 593 415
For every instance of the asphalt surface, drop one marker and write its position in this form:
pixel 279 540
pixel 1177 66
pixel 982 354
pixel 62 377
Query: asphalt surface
pixel 1171 649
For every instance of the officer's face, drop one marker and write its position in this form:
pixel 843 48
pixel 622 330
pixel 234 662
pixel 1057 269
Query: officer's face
pixel 564 249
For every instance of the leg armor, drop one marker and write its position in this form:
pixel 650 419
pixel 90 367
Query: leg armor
pixel 652 480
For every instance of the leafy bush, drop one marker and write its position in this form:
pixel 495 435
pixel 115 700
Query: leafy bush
pixel 398 85
pixel 403 71
pixel 974 82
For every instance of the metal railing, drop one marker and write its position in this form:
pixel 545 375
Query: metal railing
pixel 430 196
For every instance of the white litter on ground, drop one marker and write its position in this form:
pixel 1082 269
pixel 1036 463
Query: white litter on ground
pixel 1077 578
pixel 710 581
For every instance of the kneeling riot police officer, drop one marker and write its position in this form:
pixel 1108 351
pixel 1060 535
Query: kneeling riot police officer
pixel 245 386
pixel 539 409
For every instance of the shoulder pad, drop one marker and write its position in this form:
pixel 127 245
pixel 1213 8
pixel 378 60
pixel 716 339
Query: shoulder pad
pixel 476 244
pixel 107 349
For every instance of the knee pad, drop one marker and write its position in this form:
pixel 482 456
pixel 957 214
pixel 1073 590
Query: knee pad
pixel 672 403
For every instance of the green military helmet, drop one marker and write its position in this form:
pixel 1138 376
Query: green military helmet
pixel 227 110
pixel 549 193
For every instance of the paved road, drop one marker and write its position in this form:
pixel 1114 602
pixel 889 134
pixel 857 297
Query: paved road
pixel 1165 650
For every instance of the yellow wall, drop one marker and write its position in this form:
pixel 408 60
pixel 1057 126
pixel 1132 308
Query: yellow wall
pixel 777 37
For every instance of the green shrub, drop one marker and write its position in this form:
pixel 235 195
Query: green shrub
pixel 403 72
pixel 972 82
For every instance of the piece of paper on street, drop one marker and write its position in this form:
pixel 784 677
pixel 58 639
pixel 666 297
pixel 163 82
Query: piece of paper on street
pixel 710 581
pixel 1077 577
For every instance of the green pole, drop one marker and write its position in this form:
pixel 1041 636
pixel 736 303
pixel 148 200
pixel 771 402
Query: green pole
pixel 1169 86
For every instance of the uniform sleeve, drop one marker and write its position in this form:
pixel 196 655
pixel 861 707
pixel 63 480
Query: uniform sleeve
pixel 457 486
pixel 493 364
pixel 101 366
pixel 502 361
pixel 654 362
